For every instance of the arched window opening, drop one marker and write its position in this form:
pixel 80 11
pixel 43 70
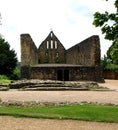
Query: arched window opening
pixel 46 57
pixel 57 55
pixel 51 44
pixel 47 44
pixel 55 44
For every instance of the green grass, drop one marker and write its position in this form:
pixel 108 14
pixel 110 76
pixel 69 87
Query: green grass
pixel 86 112
pixel 4 80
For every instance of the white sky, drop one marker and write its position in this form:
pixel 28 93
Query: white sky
pixel 70 20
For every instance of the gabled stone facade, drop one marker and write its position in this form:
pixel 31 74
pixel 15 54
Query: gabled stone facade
pixel 51 50
pixel 52 61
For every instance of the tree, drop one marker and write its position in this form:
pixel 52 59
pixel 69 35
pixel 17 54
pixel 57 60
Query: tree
pixel 109 26
pixel 112 53
pixel 8 58
pixel 0 22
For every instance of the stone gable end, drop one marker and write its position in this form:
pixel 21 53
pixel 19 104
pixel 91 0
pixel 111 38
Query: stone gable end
pixel 52 61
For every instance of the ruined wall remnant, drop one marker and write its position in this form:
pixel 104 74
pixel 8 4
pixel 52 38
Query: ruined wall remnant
pixel 29 55
pixel 52 61
pixel 68 73
pixel 29 52
pixel 85 53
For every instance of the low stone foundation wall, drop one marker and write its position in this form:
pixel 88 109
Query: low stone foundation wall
pixel 72 73
pixel 45 85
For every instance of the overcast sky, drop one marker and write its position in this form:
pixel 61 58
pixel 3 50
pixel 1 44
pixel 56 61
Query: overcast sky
pixel 70 20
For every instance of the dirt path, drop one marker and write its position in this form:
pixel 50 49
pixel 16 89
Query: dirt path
pixel 11 123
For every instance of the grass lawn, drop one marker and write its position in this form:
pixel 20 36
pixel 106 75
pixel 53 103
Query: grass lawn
pixel 85 112
pixel 4 80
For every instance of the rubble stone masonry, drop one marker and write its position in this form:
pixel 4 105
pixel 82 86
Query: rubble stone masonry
pixel 80 62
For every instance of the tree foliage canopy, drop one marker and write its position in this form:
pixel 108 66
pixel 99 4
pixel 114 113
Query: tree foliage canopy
pixel 8 58
pixel 109 26
pixel 108 23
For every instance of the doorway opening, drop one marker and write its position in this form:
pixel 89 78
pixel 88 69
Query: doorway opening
pixel 63 75
pixel 66 75
pixel 60 75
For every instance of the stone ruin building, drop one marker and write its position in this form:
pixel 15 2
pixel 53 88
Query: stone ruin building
pixel 52 61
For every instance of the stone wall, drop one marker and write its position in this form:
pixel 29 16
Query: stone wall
pixel 74 73
pixel 29 52
pixel 25 72
pixel 51 50
pixel 43 73
pixel 85 53
pixel 82 61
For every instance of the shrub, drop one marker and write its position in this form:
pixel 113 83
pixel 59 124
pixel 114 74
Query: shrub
pixel 3 77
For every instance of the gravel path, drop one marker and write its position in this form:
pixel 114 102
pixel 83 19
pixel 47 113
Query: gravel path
pixel 101 97
pixel 11 123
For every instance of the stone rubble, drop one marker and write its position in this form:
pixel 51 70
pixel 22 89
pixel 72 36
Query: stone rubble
pixel 35 84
